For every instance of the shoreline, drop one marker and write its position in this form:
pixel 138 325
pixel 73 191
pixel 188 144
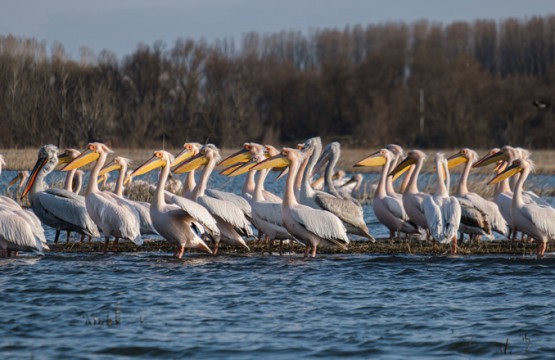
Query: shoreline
pixel 381 246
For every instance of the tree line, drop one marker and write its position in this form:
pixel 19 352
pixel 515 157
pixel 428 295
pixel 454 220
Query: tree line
pixel 421 84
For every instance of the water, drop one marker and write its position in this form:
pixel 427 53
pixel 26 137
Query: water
pixel 149 305
pixel 58 306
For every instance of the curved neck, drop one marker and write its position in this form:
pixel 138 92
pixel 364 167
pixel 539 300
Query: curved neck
pixel 289 194
pixel 248 185
pixel 68 183
pixel 413 183
pixel 406 179
pixel 463 181
pixel 299 177
pixel 382 185
pixel 517 197
pixel 92 186
pixel 201 186
pixel 78 184
pixel 306 188
pixel 258 195
pixel 329 173
pixel 121 178
pixel 441 188
pixel 189 184
pixel 159 194
pixel 389 179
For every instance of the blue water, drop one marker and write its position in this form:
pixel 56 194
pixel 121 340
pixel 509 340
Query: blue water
pixel 149 305
pixel 60 306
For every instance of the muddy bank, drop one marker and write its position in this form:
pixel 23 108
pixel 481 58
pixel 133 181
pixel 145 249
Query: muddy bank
pixel 381 246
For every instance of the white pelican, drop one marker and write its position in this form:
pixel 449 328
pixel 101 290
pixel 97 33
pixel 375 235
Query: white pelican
pixel 243 156
pixel 112 215
pixel 349 211
pixel 312 227
pixel 189 183
pixel 493 216
pixel 443 212
pixel 74 178
pixel 388 208
pixel 534 220
pixel 231 219
pixel 413 199
pixel 266 215
pixel 331 155
pixel 57 208
pixel 17 233
pixel 121 164
pixel 171 221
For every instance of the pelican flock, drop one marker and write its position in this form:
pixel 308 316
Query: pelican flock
pixel 314 213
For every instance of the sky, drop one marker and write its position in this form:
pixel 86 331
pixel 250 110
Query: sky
pixel 119 25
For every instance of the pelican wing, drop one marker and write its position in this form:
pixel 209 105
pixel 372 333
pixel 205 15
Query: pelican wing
pixel 473 217
pixel 17 232
pixel 345 209
pixel 228 212
pixel 542 217
pixel 269 211
pixel 237 200
pixel 451 211
pixel 271 197
pixel 434 218
pixel 491 210
pixel 197 212
pixel 68 207
pixel 532 197
pixel 116 214
pixel 395 206
pixel 321 223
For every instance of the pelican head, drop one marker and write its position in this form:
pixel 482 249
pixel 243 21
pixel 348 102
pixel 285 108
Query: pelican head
pixel 397 150
pixel 46 162
pixel 413 157
pixel 160 158
pixel 243 155
pixel 379 158
pixel 283 159
pixel 518 166
pixel 244 167
pixel 331 148
pixel 208 153
pixel 463 156
pixel 507 153
pixel 189 150
pixel 118 163
pixel 92 153
pixel 67 156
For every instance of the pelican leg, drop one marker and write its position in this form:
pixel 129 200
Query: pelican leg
pixel 68 236
pixel 281 247
pixel 314 250
pixel 270 244
pixel 307 251
pixel 391 234
pixel 106 242
pixel 57 235
pixel 454 245
pixel 180 251
pixel 90 238
pixel 541 249
pixel 216 247
pixel 434 249
pixel 82 237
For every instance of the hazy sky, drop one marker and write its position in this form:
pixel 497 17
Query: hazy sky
pixel 119 25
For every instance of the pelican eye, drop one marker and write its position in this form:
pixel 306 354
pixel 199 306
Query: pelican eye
pixel 92 147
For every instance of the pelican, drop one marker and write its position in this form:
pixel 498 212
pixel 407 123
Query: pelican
pixel 331 155
pixel 173 222
pixel 356 188
pixel 443 212
pixel 57 208
pixel 112 215
pixel 231 219
pixel 534 220
pixel 266 215
pixel 74 178
pixel 19 181
pixel 310 226
pixel 349 211
pixel 388 208
pixel 243 156
pixel 142 208
pixel 413 199
pixel 189 183
pixel 17 233
pixel 493 216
